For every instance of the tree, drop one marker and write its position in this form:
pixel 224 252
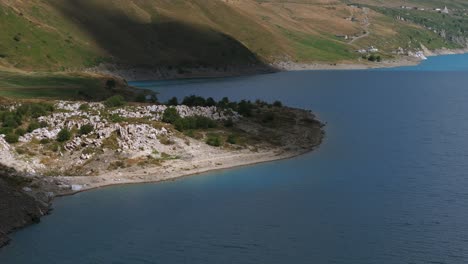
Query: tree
pixel 115 101
pixel 173 101
pixel 278 104
pixel 170 115
pixel 86 129
pixel 224 103
pixel 110 84
pixel 245 108
pixel 210 102
pixel 194 100
pixel 213 140
pixel 63 135
pixel 140 98
pixel 11 138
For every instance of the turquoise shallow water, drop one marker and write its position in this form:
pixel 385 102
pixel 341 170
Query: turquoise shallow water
pixel 389 184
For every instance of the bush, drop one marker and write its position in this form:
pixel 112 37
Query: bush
pixel 64 135
pixel 232 139
pixel 115 118
pixel 86 129
pixel 115 101
pixel 374 58
pixel 194 100
pixel 11 138
pixel 278 104
pixel 154 99
pixel 44 141
pixel 84 107
pixel 35 125
pixel 140 98
pixel 11 120
pixel 110 84
pixel 5 130
pixel 224 103
pixel 194 122
pixel 35 109
pixel 228 123
pixel 20 132
pixel 268 117
pixel 210 102
pixel 173 101
pixel 170 115
pixel 213 140
pixel 245 108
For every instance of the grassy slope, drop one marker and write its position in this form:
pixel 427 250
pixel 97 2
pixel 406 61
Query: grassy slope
pixel 417 3
pixel 55 35
pixel 59 86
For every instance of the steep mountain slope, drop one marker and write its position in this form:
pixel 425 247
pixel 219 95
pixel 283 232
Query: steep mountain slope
pixel 72 35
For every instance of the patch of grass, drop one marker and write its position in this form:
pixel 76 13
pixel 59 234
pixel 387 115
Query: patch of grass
pixel 214 140
pixel 111 142
pixel 318 48
pixel 165 140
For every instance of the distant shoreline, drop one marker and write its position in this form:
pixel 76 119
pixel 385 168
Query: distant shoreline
pixel 162 74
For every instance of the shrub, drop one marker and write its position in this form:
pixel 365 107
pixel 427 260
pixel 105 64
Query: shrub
pixel 374 58
pixel 86 129
pixel 110 84
pixel 11 120
pixel 210 102
pixel 278 104
pixel 194 100
pixel 170 115
pixel 115 101
pixel 232 139
pixel 115 118
pixel 268 117
pixel 5 130
pixel 213 140
pixel 154 99
pixel 84 107
pixel 224 103
pixel 35 125
pixel 245 108
pixel 11 138
pixel 44 141
pixel 140 98
pixel 173 101
pixel 64 135
pixel 194 122
pixel 20 131
pixel 228 123
pixel 34 109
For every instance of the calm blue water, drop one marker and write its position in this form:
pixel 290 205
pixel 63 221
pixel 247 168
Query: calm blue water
pixel 389 185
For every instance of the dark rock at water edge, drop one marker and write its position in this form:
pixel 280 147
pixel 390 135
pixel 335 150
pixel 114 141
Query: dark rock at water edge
pixel 17 208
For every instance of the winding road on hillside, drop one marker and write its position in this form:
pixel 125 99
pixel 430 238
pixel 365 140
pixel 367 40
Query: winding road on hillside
pixel 365 26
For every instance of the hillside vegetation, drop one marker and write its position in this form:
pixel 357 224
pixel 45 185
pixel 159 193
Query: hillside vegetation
pixel 73 35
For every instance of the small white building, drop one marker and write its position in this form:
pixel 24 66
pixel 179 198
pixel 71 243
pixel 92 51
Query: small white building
pixel 372 49
pixel 445 11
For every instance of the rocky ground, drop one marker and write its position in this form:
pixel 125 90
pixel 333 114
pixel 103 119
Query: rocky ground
pixel 132 144
pixel 17 208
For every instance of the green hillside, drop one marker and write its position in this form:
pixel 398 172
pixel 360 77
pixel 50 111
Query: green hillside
pixel 69 36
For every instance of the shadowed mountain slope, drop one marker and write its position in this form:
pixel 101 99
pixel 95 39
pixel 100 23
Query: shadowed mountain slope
pixel 71 35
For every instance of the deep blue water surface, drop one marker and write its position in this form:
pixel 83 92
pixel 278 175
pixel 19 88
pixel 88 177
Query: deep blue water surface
pixel 389 184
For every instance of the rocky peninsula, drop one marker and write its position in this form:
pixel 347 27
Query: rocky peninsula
pixel 57 148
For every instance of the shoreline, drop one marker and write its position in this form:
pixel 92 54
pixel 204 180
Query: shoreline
pixel 183 174
pixel 162 74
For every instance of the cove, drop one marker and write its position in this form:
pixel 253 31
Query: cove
pixel 388 185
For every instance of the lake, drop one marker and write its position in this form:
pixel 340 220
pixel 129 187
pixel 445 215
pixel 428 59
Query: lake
pixel 388 185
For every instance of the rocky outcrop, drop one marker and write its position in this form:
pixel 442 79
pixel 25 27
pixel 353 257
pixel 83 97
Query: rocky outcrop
pixel 17 207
